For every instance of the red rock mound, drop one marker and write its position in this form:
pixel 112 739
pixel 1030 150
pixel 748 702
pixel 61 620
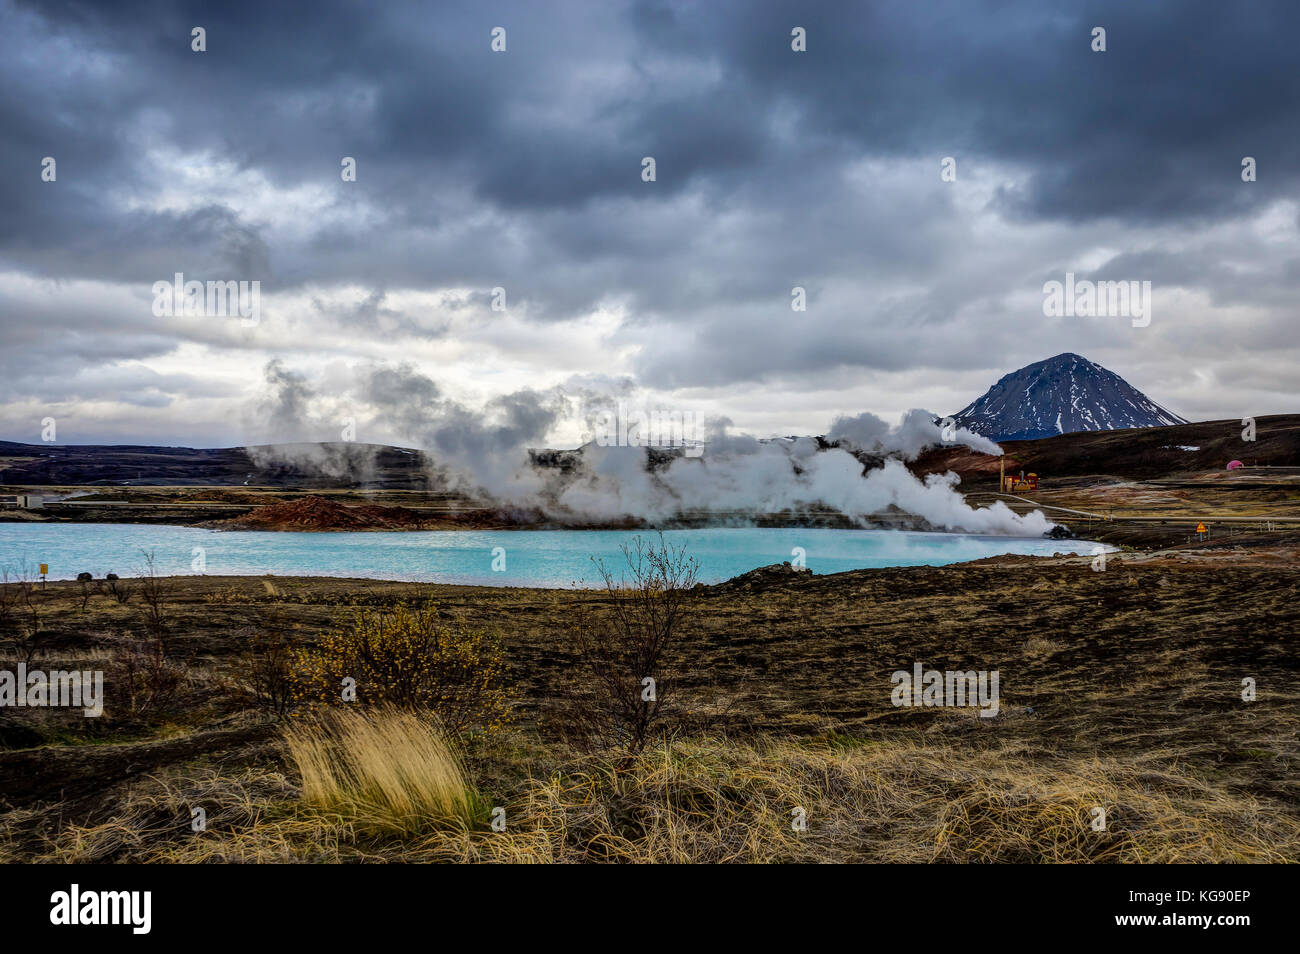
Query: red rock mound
pixel 320 513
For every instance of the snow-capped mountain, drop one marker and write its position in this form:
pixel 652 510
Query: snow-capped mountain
pixel 1059 395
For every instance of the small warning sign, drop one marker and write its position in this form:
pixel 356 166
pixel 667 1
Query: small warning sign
pixel 1200 528
pixel 45 569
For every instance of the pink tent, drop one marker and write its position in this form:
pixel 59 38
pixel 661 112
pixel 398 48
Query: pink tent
pixel 1234 464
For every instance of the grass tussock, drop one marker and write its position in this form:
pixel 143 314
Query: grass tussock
pixel 1041 646
pixel 390 770
pixel 698 801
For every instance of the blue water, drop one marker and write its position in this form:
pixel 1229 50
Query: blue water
pixel 549 558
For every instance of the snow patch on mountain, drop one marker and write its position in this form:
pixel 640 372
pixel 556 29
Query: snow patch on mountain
pixel 1061 395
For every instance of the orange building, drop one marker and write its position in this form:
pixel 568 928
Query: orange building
pixel 1013 483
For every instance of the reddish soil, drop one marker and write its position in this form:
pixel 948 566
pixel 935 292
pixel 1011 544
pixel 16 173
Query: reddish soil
pixel 319 513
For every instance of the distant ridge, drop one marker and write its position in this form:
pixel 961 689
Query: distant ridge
pixel 1061 395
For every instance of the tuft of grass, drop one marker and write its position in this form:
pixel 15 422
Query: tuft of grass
pixel 388 770
pixel 1042 646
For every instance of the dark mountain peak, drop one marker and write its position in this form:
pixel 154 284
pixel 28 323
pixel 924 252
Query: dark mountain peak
pixel 1059 395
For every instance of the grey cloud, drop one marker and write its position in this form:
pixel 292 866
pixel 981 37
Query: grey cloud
pixel 775 169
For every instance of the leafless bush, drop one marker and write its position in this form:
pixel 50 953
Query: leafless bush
pixel 9 602
pixel 153 590
pixel 625 693
pixel 120 589
pixel 88 587
pixel 20 614
pixel 268 670
pixel 139 669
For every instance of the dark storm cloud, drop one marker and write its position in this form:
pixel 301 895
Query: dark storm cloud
pixel 1154 128
pixel 522 170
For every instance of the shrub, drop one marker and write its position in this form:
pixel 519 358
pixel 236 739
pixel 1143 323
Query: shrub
pixel 88 586
pixel 153 590
pixel 386 770
pixel 19 613
pixel 120 589
pixel 140 669
pixel 408 658
pixel 268 672
pixel 627 654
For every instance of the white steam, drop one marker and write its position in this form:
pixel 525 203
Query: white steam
pixel 917 431
pixel 485 453
pixel 775 477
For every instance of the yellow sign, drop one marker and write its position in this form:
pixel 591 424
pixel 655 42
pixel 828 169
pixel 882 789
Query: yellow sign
pixel 1200 528
pixel 45 569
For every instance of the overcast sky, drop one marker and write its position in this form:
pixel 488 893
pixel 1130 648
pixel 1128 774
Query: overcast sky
pixel 522 170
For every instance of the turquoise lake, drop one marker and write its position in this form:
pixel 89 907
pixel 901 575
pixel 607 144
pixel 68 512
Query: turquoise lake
pixel 547 558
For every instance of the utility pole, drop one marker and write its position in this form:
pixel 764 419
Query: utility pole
pixel 1002 472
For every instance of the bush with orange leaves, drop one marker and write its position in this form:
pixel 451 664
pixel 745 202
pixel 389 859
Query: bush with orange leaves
pixel 409 657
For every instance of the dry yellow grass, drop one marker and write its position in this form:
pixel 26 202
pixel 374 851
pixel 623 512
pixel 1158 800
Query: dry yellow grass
pixel 388 770
pixel 703 801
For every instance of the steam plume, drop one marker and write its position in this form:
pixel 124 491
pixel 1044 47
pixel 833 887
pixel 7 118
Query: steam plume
pixel 484 452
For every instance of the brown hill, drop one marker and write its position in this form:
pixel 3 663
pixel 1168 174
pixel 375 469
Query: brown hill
pixel 1141 453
